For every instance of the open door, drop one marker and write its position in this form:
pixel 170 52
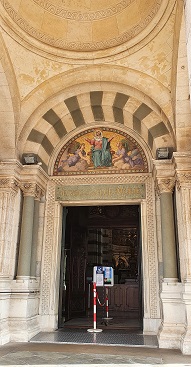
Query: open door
pixel 77 271
pixel 72 301
pixel 108 236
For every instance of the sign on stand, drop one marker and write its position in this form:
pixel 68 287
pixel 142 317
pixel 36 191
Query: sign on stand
pixel 103 276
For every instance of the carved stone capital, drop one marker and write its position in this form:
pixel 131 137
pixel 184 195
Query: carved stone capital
pixel 165 185
pixel 31 189
pixel 183 179
pixel 38 193
pixel 7 183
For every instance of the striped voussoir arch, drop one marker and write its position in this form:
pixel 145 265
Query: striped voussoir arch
pixel 96 106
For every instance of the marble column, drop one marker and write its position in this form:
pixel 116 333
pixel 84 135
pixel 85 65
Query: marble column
pixel 25 247
pixel 167 228
pixel 172 316
pixel 35 237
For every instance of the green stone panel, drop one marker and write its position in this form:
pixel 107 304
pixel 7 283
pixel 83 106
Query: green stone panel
pixel 118 115
pixel 48 147
pixel 136 124
pixel 74 109
pixel 142 111
pixel 96 105
pixel 120 100
pixel 36 136
pixel 150 139
pixel 98 113
pixel 100 192
pixel 158 130
pixel 96 98
pixel 60 129
pixel 52 118
pixel 78 118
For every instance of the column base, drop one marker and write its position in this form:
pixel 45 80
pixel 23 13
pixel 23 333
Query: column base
pixel 4 332
pixel 151 326
pixel 23 329
pixel 173 324
pixel 186 342
pixel 49 322
pixel 23 311
pixel 186 339
pixel 170 336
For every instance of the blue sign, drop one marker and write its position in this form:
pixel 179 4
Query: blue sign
pixel 103 276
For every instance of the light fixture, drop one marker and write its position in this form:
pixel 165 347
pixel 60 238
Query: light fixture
pixel 162 153
pixel 29 158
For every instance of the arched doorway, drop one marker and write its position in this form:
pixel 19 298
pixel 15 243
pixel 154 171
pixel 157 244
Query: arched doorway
pixel 85 183
pixel 107 236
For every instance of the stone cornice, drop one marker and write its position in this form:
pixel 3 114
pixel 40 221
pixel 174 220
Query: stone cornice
pixel 12 168
pixel 163 168
pixel 34 174
pixel 182 161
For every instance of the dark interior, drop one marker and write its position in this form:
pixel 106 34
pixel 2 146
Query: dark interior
pixel 106 236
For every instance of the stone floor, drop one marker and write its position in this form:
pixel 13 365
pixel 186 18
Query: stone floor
pixel 48 351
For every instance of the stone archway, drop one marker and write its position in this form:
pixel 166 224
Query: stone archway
pixel 105 188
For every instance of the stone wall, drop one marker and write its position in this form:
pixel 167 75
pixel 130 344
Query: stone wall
pixel 188 36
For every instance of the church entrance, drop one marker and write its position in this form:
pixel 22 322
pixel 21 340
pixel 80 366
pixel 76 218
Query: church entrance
pixel 107 236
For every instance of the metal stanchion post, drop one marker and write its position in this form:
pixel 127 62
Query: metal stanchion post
pixel 107 318
pixel 94 330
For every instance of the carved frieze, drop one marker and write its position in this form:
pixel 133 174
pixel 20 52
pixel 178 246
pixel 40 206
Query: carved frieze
pixel 8 183
pixel 183 179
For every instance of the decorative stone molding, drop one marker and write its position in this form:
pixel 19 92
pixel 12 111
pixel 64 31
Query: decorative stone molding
pixel 152 252
pixel 74 16
pixel 183 179
pixel 63 12
pixel 8 183
pixel 50 246
pixel 89 180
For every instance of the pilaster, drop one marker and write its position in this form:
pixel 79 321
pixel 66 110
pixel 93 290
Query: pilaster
pixel 183 176
pixel 172 325
pixel 9 188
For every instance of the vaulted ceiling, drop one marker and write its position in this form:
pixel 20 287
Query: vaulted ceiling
pixel 80 63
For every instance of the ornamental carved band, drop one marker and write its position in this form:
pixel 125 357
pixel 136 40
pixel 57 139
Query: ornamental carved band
pixel 183 179
pixel 165 185
pixel 8 183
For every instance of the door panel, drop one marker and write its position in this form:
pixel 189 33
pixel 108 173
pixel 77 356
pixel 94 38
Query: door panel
pixel 77 271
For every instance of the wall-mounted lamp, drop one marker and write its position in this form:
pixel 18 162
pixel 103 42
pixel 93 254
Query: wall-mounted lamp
pixel 29 158
pixel 162 153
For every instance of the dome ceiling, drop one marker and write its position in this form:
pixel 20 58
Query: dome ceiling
pixel 83 25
